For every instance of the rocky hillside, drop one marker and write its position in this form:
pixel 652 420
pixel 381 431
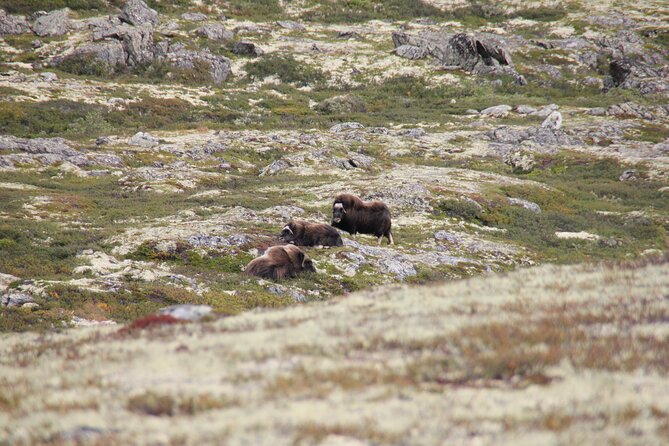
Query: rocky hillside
pixel 149 151
pixel 546 355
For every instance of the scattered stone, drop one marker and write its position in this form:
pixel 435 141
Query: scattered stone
pixel 497 83
pixel 219 66
pixel 520 161
pixel 194 16
pixel 412 133
pixel 553 121
pixel 136 12
pixel 289 24
pixel 525 110
pixel 354 160
pixel 13 24
pixel 36 44
pixel 15 299
pixel 187 312
pixel 215 241
pixel 545 111
pixel 628 175
pixel 215 31
pixel 143 139
pixel 498 111
pixel 55 23
pixel 245 48
pixel 530 206
pixel 349 35
pixel 275 167
pixel 597 111
pixel 346 126
pixel 48 77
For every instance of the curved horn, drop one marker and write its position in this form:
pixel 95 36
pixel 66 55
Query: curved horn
pixel 287 228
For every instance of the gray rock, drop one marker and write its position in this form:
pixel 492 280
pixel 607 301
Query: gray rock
pixel 497 111
pixel 289 24
pixel 215 31
pixel 346 126
pixel 54 146
pixel 412 133
pixel 354 160
pixel 110 55
pixel 628 175
pixel 13 24
pixel 597 111
pixel 245 48
pixel 520 161
pixel 15 299
pixel 103 140
pixel 525 109
pixel 137 42
pixel 136 12
pixel 478 53
pixel 530 206
pixel 275 167
pixel 349 35
pixel 219 66
pixel 631 73
pixel 143 139
pixel 37 43
pixel 553 121
pixel 187 312
pixel 497 83
pixel 194 16
pixel 396 266
pixel 412 52
pixel 543 112
pixel 55 23
pixel 48 77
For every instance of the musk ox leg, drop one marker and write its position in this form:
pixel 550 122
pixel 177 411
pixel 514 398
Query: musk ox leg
pixel 378 240
pixel 390 238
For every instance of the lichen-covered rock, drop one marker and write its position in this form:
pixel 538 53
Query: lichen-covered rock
pixel 289 24
pixel 337 128
pixel 215 31
pixel 194 16
pixel 529 205
pixel 143 139
pixel 136 12
pixel 341 104
pixel 219 67
pixel 275 167
pixel 246 48
pixel 55 23
pixel 478 53
pixel 520 161
pixel 15 299
pixel 553 121
pixel 496 111
pixel 137 42
pixel 12 24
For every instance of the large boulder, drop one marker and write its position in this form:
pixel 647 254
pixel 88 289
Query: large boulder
pixel 477 53
pixel 219 67
pixel 137 42
pixel 55 23
pixel 56 146
pixel 215 31
pixel 136 12
pixel 12 24
pixel 633 73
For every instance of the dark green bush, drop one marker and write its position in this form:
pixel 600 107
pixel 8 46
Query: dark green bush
pixel 30 6
pixel 287 68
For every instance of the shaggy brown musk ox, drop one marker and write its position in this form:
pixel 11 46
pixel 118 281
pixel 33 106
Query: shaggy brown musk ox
pixel 280 262
pixel 304 233
pixel 351 214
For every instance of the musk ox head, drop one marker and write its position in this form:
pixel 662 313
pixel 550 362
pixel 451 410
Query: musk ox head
pixel 338 212
pixel 288 233
pixel 300 258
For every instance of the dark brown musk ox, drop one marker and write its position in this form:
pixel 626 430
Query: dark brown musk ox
pixel 351 214
pixel 280 262
pixel 304 233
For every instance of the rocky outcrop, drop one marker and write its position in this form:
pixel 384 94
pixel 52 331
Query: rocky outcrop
pixel 136 12
pixel 245 48
pixel 12 24
pixel 477 53
pixel 55 23
pixel 630 73
pixel 219 67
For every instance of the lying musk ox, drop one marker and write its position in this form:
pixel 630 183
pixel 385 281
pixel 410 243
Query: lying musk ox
pixel 351 214
pixel 280 262
pixel 303 233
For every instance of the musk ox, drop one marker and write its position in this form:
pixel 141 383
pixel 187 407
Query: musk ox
pixel 280 262
pixel 351 214
pixel 303 233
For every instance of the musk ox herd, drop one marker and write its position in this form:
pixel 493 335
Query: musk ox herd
pixel 349 213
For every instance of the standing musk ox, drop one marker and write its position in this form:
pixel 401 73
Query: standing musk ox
pixel 303 233
pixel 351 214
pixel 280 262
